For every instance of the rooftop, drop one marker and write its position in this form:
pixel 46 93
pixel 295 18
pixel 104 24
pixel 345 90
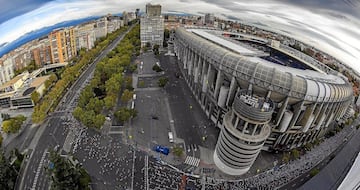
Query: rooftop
pixel 12 81
pixel 39 81
pixel 225 43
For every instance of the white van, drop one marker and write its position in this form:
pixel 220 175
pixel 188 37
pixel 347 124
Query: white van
pixel 171 137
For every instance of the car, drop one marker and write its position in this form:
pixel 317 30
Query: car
pixel 154 117
pixel 162 149
pixel 171 137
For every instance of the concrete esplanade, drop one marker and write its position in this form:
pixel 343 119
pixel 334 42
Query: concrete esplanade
pixel 258 104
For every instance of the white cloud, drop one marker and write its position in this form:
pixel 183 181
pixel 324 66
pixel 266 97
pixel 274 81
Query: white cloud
pixel 338 36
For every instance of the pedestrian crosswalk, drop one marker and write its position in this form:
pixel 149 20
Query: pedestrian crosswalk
pixel 192 161
pixel 192 147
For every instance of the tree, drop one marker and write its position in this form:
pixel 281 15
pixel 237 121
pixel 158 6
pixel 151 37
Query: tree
pixel 65 175
pixel 110 101
pixel 7 173
pixel 126 95
pixel 124 114
pixel 1 139
pixel 157 68
pixel 13 125
pixel 113 85
pixel 128 83
pixel 132 68
pixel 141 84
pixel 156 49
pixel 295 153
pixel 286 157
pixel 162 81
pixel 6 126
pixel 85 96
pixel 77 113
pixel 95 104
pixel 99 121
pixel 314 171
pixel 35 97
pixel 166 34
pixel 178 151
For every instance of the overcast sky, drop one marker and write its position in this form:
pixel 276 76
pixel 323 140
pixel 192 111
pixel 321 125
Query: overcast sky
pixel 330 25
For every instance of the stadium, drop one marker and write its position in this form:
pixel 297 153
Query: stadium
pixel 262 95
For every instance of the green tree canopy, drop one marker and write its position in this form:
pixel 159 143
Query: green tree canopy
pixel 13 125
pixel 127 95
pixel 64 175
pixel 124 114
pixel 35 97
pixel 7 173
pixel 162 81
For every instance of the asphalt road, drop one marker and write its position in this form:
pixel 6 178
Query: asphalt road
pixel 190 120
pixel 54 131
pixel 304 178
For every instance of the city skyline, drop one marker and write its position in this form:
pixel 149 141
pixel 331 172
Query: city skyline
pixel 331 26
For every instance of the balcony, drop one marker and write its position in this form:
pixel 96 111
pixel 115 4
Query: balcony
pixel 253 107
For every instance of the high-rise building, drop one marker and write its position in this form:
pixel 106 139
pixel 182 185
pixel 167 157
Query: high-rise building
pixel 85 36
pixel 152 26
pixel 6 70
pixel 101 27
pixel 137 12
pixel 125 18
pixel 209 19
pixel 63 45
pixel 153 10
pixel 41 53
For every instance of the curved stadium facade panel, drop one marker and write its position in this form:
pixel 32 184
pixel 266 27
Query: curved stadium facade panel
pixel 258 103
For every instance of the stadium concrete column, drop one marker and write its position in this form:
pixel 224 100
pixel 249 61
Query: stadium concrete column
pixel 307 118
pixel 185 57
pixel 208 75
pixel 219 80
pixel 317 112
pixel 198 69
pixel 298 108
pixel 205 79
pixel 211 73
pixel 232 91
pixel 203 70
pixel 191 62
pixel 281 111
pixel 322 115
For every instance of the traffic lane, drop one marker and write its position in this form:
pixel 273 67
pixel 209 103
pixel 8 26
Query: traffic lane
pixel 186 109
pixel 181 105
pixel 19 140
pixel 78 83
pixel 151 125
pixel 45 141
pixel 149 61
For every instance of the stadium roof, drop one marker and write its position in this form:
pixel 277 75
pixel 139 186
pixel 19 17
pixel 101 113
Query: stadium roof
pixel 225 43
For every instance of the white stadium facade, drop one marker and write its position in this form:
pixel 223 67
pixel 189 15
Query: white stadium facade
pixel 262 95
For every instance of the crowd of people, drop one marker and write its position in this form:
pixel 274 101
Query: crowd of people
pixel 282 175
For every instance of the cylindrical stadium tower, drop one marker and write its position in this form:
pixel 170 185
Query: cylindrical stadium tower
pixel 243 134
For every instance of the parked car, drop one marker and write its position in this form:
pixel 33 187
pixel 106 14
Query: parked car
pixel 162 149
